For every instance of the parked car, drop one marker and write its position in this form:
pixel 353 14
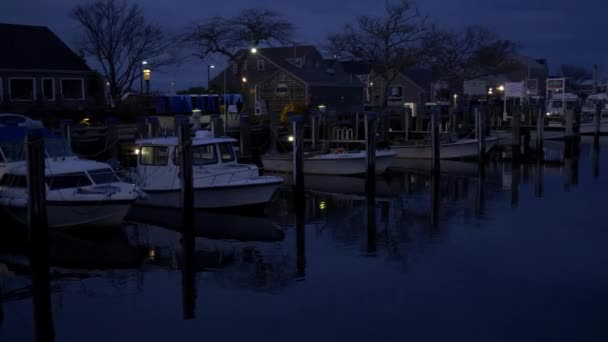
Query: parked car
pixel 7 119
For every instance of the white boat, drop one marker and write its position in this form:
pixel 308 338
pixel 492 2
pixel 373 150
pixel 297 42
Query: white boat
pixel 338 163
pixel 78 192
pixel 460 149
pixel 219 180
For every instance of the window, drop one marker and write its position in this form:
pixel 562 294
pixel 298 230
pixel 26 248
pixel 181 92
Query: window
pixel 227 152
pixel 72 89
pixel 48 89
pixel 154 155
pixel 14 181
pixel 261 65
pixel 68 180
pixel 203 154
pixel 396 91
pixel 103 176
pixel 22 89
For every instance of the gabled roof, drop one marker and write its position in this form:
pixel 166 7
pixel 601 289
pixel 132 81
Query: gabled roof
pixel 25 47
pixel 327 73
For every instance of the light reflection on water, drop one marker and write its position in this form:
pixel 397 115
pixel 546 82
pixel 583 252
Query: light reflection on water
pixel 518 255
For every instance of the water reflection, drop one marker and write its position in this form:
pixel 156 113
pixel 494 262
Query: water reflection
pixel 385 250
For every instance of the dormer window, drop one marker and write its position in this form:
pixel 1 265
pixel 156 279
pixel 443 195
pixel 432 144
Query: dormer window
pixel 261 65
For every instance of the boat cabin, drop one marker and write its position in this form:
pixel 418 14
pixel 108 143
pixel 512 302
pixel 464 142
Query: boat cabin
pixel 559 104
pixel 158 161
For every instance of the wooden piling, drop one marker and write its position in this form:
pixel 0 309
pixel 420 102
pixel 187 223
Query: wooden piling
pixel 274 132
pixel 597 118
pixel 595 158
pixel 516 136
pixel 38 236
pixel 187 207
pixel 112 143
pixel 435 141
pixel 245 137
pixel 370 144
pixel 481 135
pixel 298 152
pixel 386 123
pixel 406 124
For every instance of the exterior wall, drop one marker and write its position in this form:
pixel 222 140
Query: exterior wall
pixel 39 102
pixel 276 101
pixel 249 71
pixel 411 92
pixel 341 99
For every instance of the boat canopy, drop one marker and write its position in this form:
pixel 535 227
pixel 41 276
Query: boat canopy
pixel 202 137
pixel 12 144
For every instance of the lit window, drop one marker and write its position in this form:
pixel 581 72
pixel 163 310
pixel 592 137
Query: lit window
pixel 154 155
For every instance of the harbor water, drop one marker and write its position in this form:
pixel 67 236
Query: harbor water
pixel 519 255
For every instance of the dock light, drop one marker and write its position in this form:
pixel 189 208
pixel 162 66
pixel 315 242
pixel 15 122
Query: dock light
pixel 501 88
pixel 490 91
pixel 321 108
pixel 290 138
pixel 371 84
pixel 152 254
pixel 136 151
pixel 244 79
pixel 322 205
pixel 254 50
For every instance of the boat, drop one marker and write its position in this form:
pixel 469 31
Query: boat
pixel 220 181
pixel 78 193
pixel 338 163
pixel 462 148
pixel 557 107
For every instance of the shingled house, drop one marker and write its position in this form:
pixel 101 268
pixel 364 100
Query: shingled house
pixel 274 78
pixel 38 70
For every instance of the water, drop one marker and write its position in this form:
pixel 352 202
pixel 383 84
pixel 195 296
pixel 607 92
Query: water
pixel 500 260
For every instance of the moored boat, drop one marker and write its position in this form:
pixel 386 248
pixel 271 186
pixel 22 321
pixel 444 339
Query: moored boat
pixel 338 163
pixel 460 149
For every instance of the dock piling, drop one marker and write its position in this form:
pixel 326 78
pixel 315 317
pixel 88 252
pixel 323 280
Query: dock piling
pixel 298 152
pixel 370 145
pixel 112 143
pixel 597 118
pixel 38 236
pixel 245 136
pixel 274 132
pixel 435 141
pixel 516 138
pixel 481 135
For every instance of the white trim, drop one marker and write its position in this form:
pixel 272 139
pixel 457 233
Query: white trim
pixel 72 79
pixel 42 88
pixel 10 95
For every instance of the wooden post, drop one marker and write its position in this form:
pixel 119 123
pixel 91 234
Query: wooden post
pixel 112 143
pixel 245 136
pixel 435 141
pixel 274 132
pixel 481 136
pixel 598 118
pixel 66 131
pixel 406 126
pixel 386 123
pixel 187 206
pixel 370 144
pixel 357 125
pixel 516 139
pixel 540 133
pixel 298 152
pixel 313 130
pixel 595 158
pixel 39 236
pixel 570 134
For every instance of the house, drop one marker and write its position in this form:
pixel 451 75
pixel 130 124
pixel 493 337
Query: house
pixel 39 71
pixel 277 78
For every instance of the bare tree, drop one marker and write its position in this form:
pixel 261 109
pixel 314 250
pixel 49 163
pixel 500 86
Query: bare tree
pixel 575 73
pixel 117 35
pixel 389 43
pixel 230 37
pixel 471 53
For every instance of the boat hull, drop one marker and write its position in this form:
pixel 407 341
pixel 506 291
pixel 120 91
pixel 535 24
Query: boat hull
pixel 63 214
pixel 228 196
pixel 461 149
pixel 337 164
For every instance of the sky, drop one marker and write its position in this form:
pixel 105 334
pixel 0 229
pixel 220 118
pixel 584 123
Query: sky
pixel 562 31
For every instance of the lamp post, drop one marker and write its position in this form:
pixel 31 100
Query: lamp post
pixel 146 75
pixel 209 67
pixel 501 88
pixel 142 65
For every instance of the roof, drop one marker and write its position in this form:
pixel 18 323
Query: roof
pixel 356 67
pixel 201 138
pixel 27 47
pixel 325 74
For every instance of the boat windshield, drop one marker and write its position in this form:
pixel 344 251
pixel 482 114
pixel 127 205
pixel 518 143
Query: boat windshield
pixel 103 176
pixel 227 152
pixel 14 150
pixel 68 180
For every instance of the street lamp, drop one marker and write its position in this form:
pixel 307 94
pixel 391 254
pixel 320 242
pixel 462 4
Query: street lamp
pixel 141 72
pixel 146 75
pixel 254 50
pixel 244 79
pixel 209 67
pixel 501 88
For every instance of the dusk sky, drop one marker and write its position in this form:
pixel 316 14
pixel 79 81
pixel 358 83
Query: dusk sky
pixel 563 31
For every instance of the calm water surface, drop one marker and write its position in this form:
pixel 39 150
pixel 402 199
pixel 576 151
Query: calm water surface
pixel 520 256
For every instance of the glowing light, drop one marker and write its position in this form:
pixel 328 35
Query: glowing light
pixel 501 88
pixel 147 73
pixel 152 254
pixel 290 138
pixel 455 96
pixel 490 91
pixel 136 151
pixel 212 66
pixel 254 50
pixel 322 205
pixel 244 79
pixel 144 63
